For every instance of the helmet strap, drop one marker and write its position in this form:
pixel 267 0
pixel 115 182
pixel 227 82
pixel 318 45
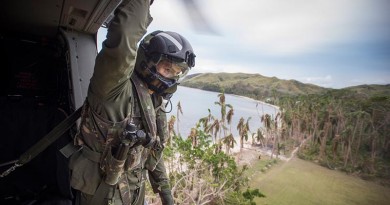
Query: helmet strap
pixel 164 105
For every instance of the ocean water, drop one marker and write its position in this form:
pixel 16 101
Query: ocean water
pixel 195 104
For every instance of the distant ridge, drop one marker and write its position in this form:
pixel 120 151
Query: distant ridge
pixel 254 86
pixel 264 88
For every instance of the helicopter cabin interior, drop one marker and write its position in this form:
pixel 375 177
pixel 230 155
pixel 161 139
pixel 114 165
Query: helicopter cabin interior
pixel 47 52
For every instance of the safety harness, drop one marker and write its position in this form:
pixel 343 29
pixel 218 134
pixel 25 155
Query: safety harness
pixel 42 144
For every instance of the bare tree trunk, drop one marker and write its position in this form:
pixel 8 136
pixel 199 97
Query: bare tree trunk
pixel 348 155
pixel 274 146
pixel 315 127
pixel 323 140
pixel 359 139
pixel 373 152
pixel 277 145
pixel 335 143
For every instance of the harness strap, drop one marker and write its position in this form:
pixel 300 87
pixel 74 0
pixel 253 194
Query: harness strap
pixel 45 142
pixel 124 190
pixel 146 104
pixel 149 115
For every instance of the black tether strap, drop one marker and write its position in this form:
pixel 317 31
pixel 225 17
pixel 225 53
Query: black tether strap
pixel 46 141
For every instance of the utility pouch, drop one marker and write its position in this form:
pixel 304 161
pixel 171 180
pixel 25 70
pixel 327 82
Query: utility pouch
pixel 133 158
pixel 85 181
pixel 114 170
pixel 115 164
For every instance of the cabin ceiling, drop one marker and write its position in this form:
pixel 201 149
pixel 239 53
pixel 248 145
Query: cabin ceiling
pixel 44 17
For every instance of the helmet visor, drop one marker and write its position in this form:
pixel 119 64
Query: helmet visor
pixel 171 69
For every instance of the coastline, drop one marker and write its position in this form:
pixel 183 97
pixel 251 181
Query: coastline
pixel 196 102
pixel 240 96
pixel 249 154
pixel 258 101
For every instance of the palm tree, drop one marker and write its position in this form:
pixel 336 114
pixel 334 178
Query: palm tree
pixel 171 131
pixel 205 122
pixel 223 105
pixel 229 139
pixel 266 120
pixel 193 136
pixel 240 128
pixel 229 118
pixel 179 111
pixel 229 142
pixel 243 129
pixel 214 129
pixel 171 134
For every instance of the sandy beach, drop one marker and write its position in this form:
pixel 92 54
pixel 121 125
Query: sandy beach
pixel 249 154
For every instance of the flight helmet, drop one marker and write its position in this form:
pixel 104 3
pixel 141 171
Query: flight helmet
pixel 163 60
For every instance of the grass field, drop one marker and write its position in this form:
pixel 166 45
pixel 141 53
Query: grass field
pixel 300 182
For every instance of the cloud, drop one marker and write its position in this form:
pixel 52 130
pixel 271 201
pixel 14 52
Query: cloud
pixel 287 39
pixel 279 27
pixel 170 15
pixel 324 81
pixel 295 27
pixel 216 66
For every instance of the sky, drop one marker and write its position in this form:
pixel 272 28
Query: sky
pixel 330 43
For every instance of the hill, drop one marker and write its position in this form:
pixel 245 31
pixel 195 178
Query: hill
pixel 368 91
pixel 265 88
pixel 254 86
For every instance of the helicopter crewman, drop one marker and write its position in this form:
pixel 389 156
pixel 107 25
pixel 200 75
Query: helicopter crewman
pixel 123 121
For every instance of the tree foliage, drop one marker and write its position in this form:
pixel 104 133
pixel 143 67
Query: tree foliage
pixel 344 130
pixel 200 172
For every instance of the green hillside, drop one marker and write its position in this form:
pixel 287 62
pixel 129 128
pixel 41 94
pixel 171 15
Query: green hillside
pixel 264 88
pixel 251 85
pixel 370 90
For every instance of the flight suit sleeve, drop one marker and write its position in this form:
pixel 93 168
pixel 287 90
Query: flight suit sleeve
pixel 115 62
pixel 160 183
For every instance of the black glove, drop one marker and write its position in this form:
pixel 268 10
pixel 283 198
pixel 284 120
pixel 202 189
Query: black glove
pixel 166 197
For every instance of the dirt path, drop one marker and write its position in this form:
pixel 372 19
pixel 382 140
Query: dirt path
pixel 249 154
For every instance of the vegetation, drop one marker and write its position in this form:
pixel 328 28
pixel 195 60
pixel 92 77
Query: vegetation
pixel 200 171
pixel 344 129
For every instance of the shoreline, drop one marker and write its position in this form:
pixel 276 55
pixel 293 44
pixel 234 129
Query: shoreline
pixel 240 96
pixel 258 101
pixel 250 154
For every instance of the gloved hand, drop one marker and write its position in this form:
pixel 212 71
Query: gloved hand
pixel 166 197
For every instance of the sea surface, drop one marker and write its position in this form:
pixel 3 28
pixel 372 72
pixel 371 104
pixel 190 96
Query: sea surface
pixel 195 104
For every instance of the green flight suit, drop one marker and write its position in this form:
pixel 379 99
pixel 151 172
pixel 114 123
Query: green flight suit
pixel 112 102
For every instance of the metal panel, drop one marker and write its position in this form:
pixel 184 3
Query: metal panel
pixel 44 17
pixel 87 15
pixel 82 54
